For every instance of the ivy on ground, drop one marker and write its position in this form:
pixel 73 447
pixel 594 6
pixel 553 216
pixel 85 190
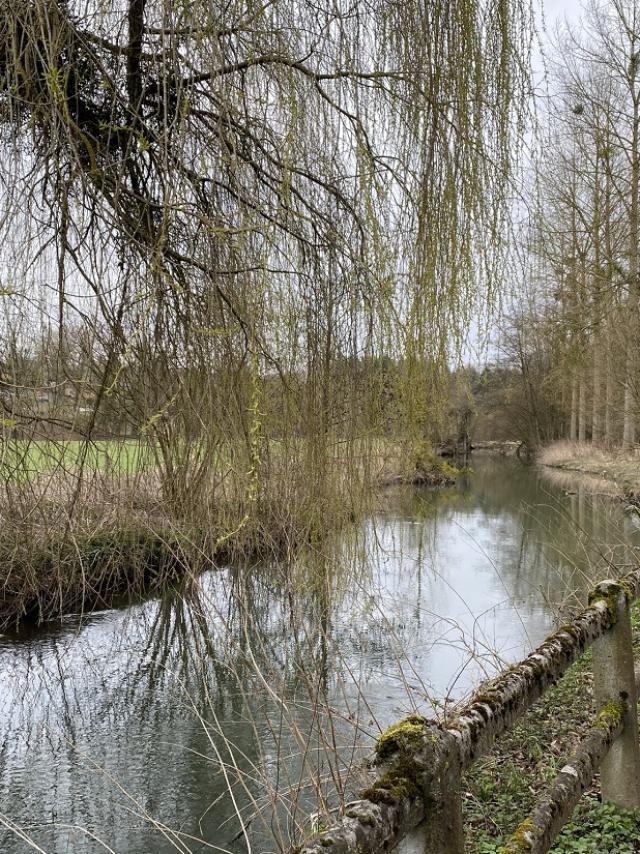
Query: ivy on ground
pixel 501 788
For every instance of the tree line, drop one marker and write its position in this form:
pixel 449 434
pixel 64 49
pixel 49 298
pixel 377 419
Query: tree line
pixel 572 332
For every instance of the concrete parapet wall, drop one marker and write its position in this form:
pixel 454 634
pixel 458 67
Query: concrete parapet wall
pixel 418 762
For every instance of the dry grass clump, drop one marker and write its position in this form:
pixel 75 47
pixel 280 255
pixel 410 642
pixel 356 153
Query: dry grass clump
pixel 565 452
pixel 622 468
pixel 72 573
pixel 71 542
pixel 53 499
pixel 565 479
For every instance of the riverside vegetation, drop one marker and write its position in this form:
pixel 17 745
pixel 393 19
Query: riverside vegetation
pixel 124 542
pixel 290 670
pixel 621 469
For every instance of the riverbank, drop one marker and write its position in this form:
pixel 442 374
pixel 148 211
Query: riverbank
pixel 84 573
pixel 619 469
pixel 47 574
pixel 501 788
pixel 79 538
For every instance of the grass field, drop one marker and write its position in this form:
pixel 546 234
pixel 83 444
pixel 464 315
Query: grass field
pixel 28 458
pixel 130 456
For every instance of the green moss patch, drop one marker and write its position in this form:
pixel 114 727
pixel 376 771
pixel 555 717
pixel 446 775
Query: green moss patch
pixel 521 840
pixel 610 717
pixel 405 736
pixel 609 592
pixel 398 783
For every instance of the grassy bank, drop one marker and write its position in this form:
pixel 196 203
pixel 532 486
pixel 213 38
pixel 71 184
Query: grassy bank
pixel 501 788
pixel 620 469
pixel 112 555
pixel 75 574
pixel 85 525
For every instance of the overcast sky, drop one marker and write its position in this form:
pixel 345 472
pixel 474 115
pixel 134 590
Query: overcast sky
pixel 555 8
pixel 555 11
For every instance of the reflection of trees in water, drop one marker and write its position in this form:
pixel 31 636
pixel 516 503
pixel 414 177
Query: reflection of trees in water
pixel 558 542
pixel 230 669
pixel 538 544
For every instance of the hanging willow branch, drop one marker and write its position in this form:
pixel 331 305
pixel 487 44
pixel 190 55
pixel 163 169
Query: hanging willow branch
pixel 176 121
pixel 311 190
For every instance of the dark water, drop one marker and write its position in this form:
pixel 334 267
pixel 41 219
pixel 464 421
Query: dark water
pixel 151 730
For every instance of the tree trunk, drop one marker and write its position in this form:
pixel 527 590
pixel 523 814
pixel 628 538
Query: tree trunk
pixel 596 424
pixel 573 432
pixel 609 400
pixel 582 411
pixel 629 426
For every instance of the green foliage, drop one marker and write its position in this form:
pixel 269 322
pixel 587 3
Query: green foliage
pixel 597 828
pixel 502 787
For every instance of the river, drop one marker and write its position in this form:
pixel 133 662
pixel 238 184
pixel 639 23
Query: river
pixel 148 730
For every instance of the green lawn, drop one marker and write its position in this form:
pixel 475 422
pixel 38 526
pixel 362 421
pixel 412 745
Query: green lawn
pixel 20 458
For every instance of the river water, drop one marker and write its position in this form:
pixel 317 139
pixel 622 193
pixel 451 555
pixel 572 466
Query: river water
pixel 216 718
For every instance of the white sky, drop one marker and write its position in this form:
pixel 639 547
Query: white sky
pixel 555 11
pixel 555 8
pixel 478 349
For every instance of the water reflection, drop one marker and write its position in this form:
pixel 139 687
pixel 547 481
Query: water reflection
pixel 209 720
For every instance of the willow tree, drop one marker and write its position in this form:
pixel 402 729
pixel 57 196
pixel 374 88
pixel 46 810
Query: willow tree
pixel 245 202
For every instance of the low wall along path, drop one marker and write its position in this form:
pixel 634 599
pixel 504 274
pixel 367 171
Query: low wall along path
pixel 418 763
